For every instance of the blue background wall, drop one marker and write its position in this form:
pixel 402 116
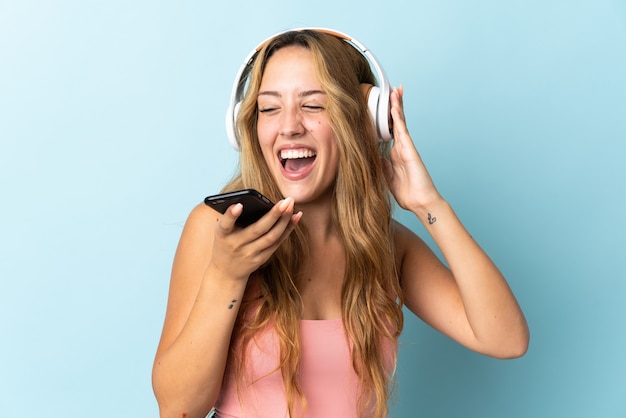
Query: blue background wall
pixel 111 129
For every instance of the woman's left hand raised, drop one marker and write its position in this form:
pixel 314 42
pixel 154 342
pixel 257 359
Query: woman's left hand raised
pixel 407 175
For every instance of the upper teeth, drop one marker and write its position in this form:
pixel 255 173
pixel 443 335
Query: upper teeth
pixel 296 153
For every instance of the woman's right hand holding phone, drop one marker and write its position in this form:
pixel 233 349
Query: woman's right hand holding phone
pixel 238 252
pixel 213 261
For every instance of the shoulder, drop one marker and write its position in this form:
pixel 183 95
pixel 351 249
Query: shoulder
pixel 196 240
pixel 405 240
pixel 414 258
pixel 200 223
pixel 202 215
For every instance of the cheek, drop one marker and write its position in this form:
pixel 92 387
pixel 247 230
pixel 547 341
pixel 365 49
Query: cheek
pixel 315 127
pixel 261 130
pixel 320 128
pixel 267 151
pixel 264 135
pixel 265 143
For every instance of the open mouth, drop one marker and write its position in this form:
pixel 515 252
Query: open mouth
pixel 295 160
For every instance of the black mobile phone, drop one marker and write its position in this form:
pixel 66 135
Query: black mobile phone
pixel 254 204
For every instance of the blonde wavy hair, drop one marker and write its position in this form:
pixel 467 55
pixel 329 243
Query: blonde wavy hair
pixel 371 296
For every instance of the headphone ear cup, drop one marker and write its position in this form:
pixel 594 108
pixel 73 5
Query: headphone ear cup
pixel 231 119
pixel 373 93
pixel 379 111
pixel 383 118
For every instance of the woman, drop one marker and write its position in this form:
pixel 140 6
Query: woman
pixel 299 313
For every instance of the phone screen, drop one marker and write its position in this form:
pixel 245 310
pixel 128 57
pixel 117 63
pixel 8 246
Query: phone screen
pixel 255 205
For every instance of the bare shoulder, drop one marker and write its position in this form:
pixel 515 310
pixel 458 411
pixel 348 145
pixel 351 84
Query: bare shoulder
pixel 201 218
pixel 407 242
pixel 194 247
pixel 199 228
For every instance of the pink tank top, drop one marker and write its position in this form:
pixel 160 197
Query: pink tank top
pixel 327 378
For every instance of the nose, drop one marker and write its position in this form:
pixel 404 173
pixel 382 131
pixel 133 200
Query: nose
pixel 291 123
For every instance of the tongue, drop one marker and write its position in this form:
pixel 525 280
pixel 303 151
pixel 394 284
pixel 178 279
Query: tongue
pixel 297 164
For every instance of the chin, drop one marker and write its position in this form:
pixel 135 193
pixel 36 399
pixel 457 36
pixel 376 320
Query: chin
pixel 308 196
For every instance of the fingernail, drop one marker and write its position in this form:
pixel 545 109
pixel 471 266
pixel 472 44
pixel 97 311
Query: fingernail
pixel 285 203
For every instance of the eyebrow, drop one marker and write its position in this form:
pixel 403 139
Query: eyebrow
pixel 305 93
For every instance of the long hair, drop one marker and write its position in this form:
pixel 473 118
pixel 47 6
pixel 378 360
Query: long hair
pixel 371 296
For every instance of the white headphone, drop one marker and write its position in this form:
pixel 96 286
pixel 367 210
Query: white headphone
pixel 377 100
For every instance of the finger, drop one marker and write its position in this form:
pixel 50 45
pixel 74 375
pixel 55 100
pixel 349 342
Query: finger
pixel 283 223
pixel 286 222
pixel 292 222
pixel 397 99
pixel 296 218
pixel 397 113
pixel 403 145
pixel 400 91
pixel 227 221
pixel 266 223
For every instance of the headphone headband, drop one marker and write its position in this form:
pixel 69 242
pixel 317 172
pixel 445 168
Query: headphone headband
pixel 378 99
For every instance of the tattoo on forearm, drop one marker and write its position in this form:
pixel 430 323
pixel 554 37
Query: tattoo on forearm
pixel 431 219
pixel 232 303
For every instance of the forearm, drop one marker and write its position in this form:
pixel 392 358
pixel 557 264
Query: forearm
pixel 492 311
pixel 187 376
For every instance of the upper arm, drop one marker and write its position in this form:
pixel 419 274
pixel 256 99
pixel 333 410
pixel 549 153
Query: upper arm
pixel 429 288
pixel 190 261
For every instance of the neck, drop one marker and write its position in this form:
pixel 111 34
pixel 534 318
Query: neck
pixel 317 218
